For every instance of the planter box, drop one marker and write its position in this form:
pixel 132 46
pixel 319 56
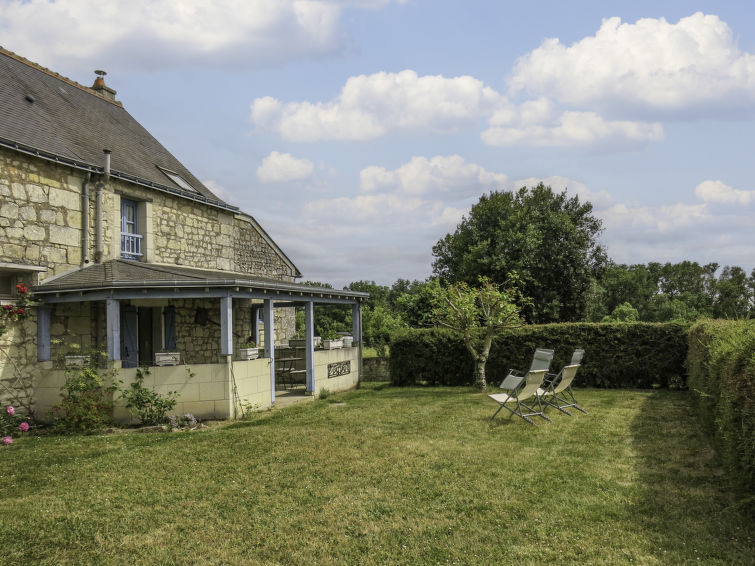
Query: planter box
pixel 249 353
pixel 167 358
pixel 332 344
pixel 348 341
pixel 76 361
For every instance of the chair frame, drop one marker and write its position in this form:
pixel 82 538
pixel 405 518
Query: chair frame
pixel 532 382
pixel 558 386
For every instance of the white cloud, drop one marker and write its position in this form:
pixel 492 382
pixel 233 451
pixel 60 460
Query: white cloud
pixel 718 192
pixel 648 65
pixel 370 106
pixel 451 175
pixel 281 167
pixel 164 33
pixel 572 129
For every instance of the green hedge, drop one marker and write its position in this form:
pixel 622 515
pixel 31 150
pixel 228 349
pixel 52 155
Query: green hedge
pixel 721 366
pixel 616 355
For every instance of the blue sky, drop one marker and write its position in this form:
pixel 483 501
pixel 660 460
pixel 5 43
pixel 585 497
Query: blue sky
pixel 358 132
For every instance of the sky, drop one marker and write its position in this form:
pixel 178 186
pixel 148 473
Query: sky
pixel 360 132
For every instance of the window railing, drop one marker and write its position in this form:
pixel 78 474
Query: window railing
pixel 131 245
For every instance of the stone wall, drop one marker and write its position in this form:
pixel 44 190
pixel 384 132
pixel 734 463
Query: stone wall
pixel 40 213
pixel 18 352
pixel 41 224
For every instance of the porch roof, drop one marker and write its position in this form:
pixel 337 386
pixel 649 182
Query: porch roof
pixel 130 279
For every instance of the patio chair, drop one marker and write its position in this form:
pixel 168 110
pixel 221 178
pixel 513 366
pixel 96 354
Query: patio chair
pixel 557 386
pixel 532 382
pixel 541 362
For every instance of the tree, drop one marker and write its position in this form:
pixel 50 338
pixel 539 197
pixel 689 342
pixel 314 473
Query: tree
pixel 549 239
pixel 478 313
pixel 416 303
pixel 378 325
pixel 625 312
pixel 734 296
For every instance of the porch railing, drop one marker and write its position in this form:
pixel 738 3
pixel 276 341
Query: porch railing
pixel 131 245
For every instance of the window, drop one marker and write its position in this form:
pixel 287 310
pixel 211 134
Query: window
pixel 178 180
pixel 131 239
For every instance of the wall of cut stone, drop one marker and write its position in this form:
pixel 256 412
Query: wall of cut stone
pixel 18 352
pixel 41 224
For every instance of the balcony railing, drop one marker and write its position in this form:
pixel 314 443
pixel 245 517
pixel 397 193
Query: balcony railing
pixel 131 246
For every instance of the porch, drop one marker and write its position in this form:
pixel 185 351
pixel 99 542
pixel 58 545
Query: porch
pixel 138 313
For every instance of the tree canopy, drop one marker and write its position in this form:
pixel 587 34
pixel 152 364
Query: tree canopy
pixel 547 238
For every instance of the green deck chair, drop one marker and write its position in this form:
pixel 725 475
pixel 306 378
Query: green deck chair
pixel 556 390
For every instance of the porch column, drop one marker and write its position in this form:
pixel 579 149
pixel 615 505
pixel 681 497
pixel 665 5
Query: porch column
pixel 309 348
pixel 268 318
pixel 356 322
pixel 226 326
pixel 43 334
pixel 356 329
pixel 113 328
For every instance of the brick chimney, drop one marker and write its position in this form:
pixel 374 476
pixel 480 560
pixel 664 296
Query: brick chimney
pixel 100 88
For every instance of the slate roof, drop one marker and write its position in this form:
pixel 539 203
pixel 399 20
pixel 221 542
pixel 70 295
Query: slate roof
pixel 50 116
pixel 122 274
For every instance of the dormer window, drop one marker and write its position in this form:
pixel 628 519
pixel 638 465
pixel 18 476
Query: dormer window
pixel 178 180
pixel 131 239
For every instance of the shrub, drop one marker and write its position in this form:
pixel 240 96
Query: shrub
pixel 87 398
pixel 616 355
pixel 11 424
pixel 147 405
pixel 721 365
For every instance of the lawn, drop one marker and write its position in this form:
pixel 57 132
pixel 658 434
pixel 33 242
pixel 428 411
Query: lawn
pixel 383 476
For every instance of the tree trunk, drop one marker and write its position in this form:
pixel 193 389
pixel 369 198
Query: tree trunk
pixel 480 381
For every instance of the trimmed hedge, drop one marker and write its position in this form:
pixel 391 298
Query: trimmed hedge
pixel 616 355
pixel 721 366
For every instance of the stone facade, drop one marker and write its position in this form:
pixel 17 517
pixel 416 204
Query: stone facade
pixel 41 224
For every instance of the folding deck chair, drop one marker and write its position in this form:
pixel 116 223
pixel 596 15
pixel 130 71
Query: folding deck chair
pixel 557 386
pixel 532 382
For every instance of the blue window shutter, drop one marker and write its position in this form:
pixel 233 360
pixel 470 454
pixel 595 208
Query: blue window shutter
pixel 170 327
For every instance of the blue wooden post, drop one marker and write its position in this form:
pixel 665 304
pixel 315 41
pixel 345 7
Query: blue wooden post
pixel 356 322
pixel 356 328
pixel 226 326
pixel 268 318
pixel 43 334
pixel 309 332
pixel 113 328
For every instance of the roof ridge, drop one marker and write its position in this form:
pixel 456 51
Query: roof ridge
pixel 53 74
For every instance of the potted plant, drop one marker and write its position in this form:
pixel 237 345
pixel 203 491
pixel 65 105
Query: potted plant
pixel 74 358
pixel 167 358
pixel 249 350
pixel 331 341
pixel 348 341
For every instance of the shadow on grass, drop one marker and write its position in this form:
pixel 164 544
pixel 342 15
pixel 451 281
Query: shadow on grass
pixel 687 508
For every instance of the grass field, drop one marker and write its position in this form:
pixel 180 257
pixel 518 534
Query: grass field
pixel 382 476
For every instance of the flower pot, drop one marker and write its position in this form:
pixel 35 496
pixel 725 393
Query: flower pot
pixel 167 358
pixel 348 341
pixel 332 344
pixel 249 353
pixel 76 361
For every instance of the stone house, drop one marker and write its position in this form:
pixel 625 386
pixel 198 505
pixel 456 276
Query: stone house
pixel 129 253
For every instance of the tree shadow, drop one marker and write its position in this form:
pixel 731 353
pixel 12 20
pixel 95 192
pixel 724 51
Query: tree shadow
pixel 687 508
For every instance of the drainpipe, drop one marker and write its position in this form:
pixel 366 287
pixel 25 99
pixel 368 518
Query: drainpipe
pixel 98 220
pixel 85 219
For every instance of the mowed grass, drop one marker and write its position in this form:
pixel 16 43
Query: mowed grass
pixel 383 476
